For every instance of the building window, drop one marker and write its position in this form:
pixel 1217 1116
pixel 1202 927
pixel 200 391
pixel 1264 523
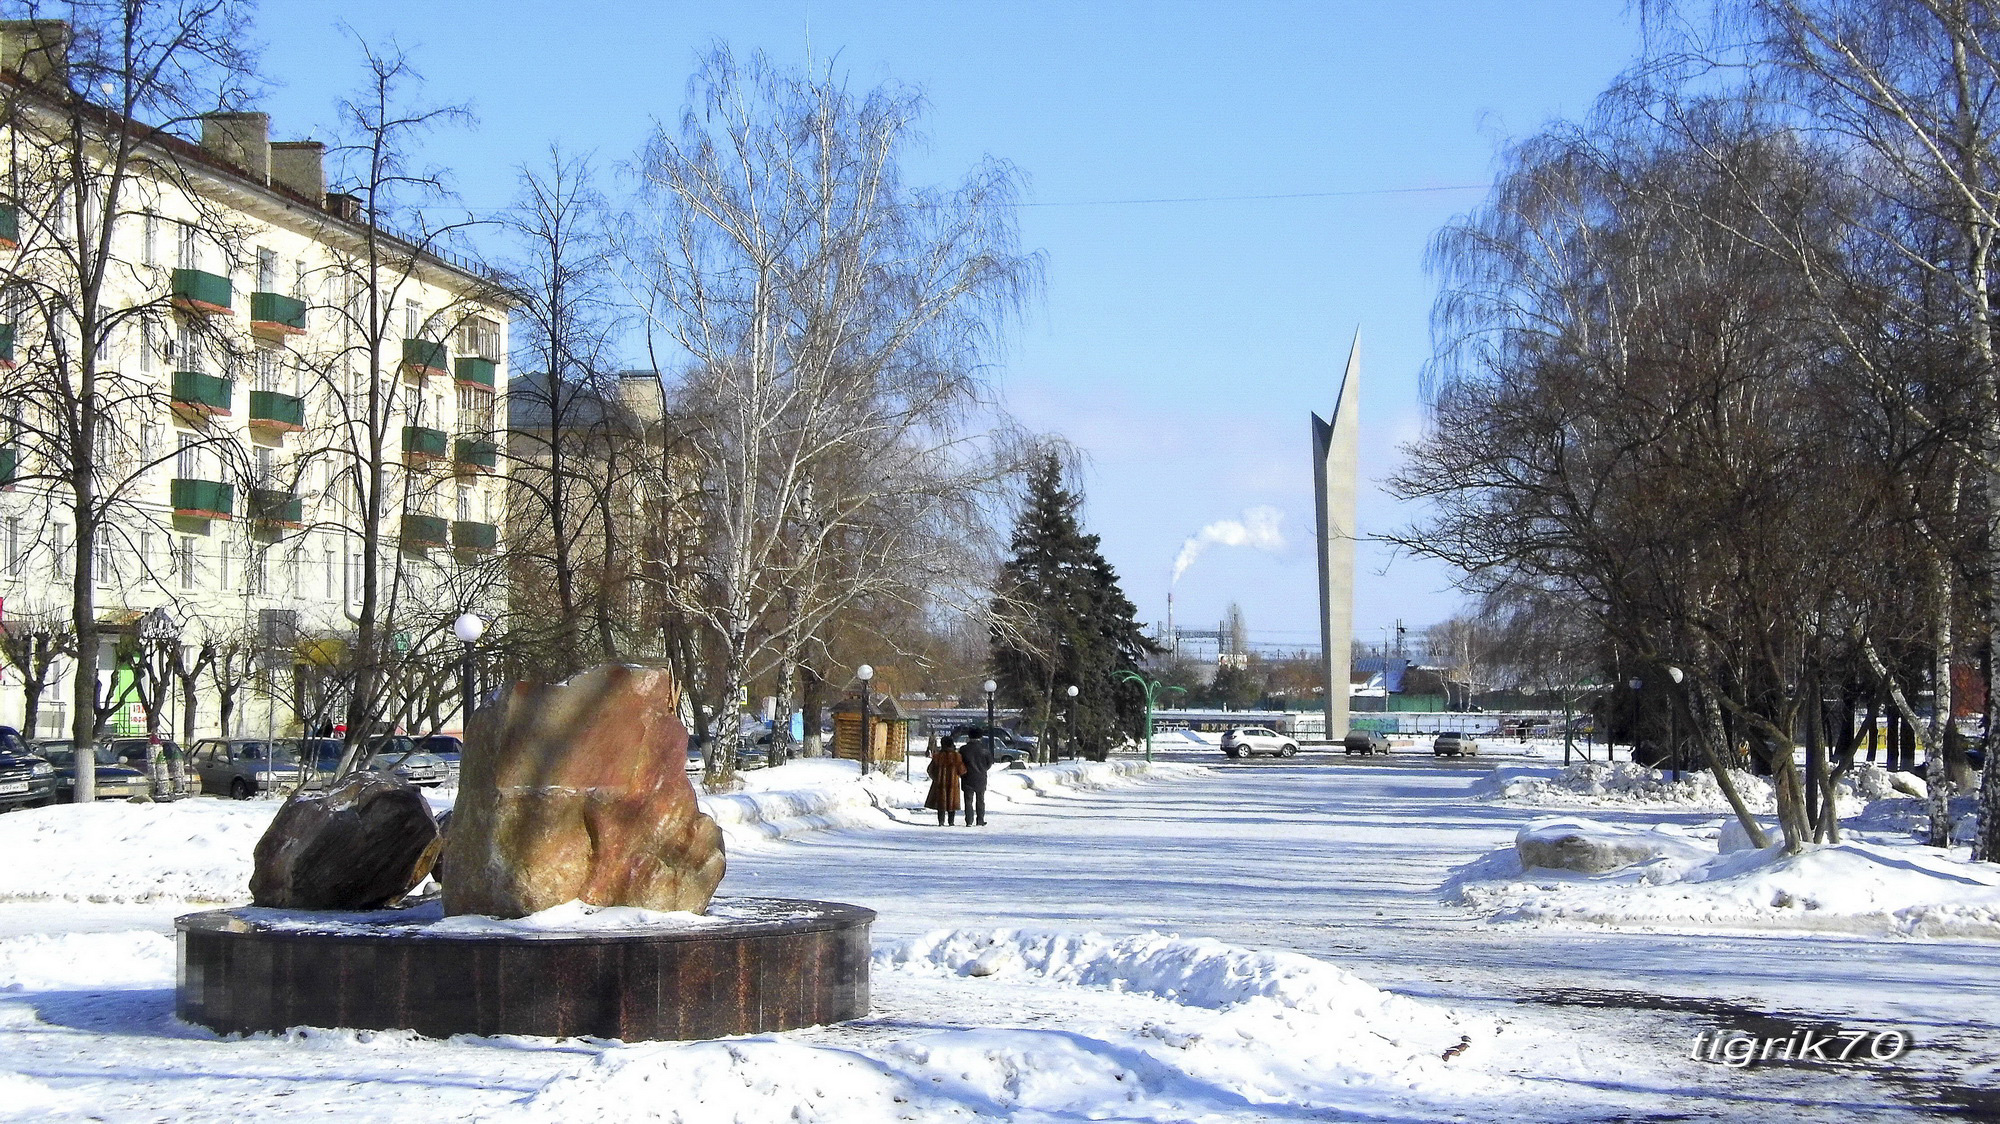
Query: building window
pixel 149 239
pixel 332 572
pixel 270 369
pixel 267 270
pixel 146 356
pixel 257 570
pixel 60 539
pixel 475 412
pixel 100 557
pixel 465 505
pixel 266 458
pixel 413 320
pixel 190 247
pixel 13 546
pixel 480 337
pixel 181 551
pixel 187 349
pixel 145 554
pixel 187 458
pixel 222 560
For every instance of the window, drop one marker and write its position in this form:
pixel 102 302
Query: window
pixel 413 320
pixel 257 571
pixel 12 544
pixel 146 356
pixel 267 270
pixel 181 555
pixel 465 505
pixel 187 349
pixel 266 465
pixel 60 539
pixel 332 572
pixel 100 557
pixel 145 553
pixel 475 412
pixel 149 239
pixel 291 574
pixel 222 560
pixel 187 459
pixel 190 247
pixel 270 368
pixel 480 337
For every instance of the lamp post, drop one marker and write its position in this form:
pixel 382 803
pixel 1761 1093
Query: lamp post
pixel 1153 689
pixel 865 673
pixel 1674 674
pixel 1635 684
pixel 989 687
pixel 469 627
pixel 1071 692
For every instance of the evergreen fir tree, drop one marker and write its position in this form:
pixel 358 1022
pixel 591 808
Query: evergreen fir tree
pixel 1061 619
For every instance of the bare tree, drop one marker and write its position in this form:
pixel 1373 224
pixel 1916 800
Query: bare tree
pixel 830 324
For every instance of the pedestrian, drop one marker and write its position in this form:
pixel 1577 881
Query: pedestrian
pixel 978 757
pixel 946 770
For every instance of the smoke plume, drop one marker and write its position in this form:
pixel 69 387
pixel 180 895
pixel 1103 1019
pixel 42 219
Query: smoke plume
pixel 1258 530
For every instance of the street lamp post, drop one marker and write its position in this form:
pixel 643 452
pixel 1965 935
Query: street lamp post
pixel 469 627
pixel 1153 689
pixel 989 687
pixel 1674 674
pixel 865 673
pixel 1635 684
pixel 1071 692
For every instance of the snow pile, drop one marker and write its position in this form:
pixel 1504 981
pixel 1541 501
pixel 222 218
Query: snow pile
pixel 1156 1028
pixel 1595 848
pixel 23 1098
pixel 86 962
pixel 1908 817
pixel 1847 887
pixel 190 850
pixel 1621 784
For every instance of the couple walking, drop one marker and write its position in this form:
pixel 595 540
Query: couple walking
pixel 958 779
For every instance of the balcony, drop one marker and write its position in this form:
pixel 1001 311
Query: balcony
pixel 474 537
pixel 277 413
pixel 275 507
pixel 273 314
pixel 204 293
pixel 197 396
pixel 477 372
pixel 10 226
pixel 422 445
pixel 203 499
pixel 10 466
pixel 475 454
pixel 6 347
pixel 423 530
pixel 423 357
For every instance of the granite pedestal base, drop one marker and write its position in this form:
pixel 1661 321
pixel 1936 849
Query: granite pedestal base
pixel 753 965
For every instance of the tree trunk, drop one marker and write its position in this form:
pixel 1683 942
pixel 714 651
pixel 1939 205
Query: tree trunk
pixel 810 706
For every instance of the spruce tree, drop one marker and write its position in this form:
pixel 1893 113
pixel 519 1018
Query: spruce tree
pixel 1061 620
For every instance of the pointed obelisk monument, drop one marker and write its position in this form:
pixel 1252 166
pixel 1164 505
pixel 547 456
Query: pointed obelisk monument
pixel 1336 469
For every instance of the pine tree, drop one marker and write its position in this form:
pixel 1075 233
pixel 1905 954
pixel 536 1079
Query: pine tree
pixel 1062 620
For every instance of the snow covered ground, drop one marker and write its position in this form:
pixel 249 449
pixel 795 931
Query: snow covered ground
pixel 1248 941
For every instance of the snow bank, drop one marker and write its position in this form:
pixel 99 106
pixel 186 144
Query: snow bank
pixel 1595 848
pixel 1154 1028
pixel 189 850
pixel 1621 784
pixel 1848 887
pixel 86 961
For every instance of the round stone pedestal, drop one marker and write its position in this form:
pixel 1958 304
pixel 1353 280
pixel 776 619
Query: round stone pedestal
pixel 752 965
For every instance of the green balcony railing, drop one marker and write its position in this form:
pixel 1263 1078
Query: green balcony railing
pixel 272 410
pixel 474 536
pixel 477 372
pixel 202 292
pixel 475 452
pixel 10 225
pixel 203 499
pixel 10 465
pixel 275 312
pixel 421 441
pixel 7 344
pixel 202 394
pixel 423 530
pixel 271 505
pixel 424 357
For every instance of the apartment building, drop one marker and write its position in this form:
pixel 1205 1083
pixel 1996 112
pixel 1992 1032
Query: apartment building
pixel 285 379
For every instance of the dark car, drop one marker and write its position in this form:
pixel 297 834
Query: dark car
pixel 114 781
pixel 1365 742
pixel 1007 748
pixel 26 780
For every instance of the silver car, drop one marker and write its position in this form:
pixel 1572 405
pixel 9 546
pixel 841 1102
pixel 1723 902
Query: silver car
pixel 243 767
pixel 399 757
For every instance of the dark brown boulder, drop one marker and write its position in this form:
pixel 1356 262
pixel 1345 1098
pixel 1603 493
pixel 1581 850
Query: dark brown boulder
pixel 361 845
pixel 580 791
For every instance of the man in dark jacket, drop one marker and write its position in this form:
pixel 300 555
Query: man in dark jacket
pixel 978 754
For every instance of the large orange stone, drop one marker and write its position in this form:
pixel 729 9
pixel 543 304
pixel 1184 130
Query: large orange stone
pixel 579 791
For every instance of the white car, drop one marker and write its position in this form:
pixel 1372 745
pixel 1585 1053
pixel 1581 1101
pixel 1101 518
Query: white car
pixel 1249 741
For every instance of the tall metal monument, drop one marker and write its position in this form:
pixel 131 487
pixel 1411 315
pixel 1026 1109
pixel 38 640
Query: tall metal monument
pixel 1336 469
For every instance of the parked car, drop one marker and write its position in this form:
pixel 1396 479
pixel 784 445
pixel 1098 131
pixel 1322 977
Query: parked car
pixel 448 748
pixel 26 780
pixel 1249 741
pixel 1454 744
pixel 114 781
pixel 132 750
pixel 1007 748
pixel 399 756
pixel 243 767
pixel 1365 742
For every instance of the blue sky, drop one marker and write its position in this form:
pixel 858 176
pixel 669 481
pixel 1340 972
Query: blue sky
pixel 1182 345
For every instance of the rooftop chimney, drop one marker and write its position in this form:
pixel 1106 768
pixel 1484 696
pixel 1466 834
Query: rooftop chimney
pixel 300 166
pixel 242 139
pixel 344 206
pixel 37 50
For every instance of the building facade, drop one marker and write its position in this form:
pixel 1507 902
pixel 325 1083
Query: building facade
pixel 298 416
